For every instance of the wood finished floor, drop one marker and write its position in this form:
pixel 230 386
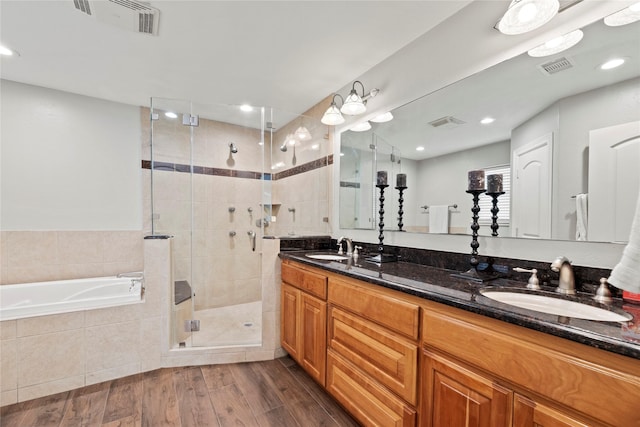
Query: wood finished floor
pixel 270 393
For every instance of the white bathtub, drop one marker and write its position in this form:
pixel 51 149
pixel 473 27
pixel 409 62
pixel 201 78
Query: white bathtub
pixel 62 296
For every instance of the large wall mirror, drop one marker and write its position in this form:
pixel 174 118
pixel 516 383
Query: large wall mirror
pixel 565 136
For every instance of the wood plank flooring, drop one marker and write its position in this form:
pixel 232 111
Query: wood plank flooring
pixel 270 393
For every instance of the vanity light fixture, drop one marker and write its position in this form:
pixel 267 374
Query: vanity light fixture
pixel 526 15
pixel 171 115
pixel 612 63
pixel 246 108
pixel 361 127
pixel 383 118
pixel 487 120
pixel 557 44
pixel 353 105
pixel 625 16
pixel 333 116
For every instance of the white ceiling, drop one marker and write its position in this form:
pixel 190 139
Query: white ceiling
pixel 286 54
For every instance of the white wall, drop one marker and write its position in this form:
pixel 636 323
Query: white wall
pixel 68 162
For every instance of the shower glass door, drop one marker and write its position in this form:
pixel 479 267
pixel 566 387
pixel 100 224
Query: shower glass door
pixel 207 189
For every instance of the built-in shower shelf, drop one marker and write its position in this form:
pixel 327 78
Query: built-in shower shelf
pixel 181 291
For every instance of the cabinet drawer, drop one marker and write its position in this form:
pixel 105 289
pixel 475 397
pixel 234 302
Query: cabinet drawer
pixel 386 357
pixel 315 284
pixel 567 373
pixel 394 313
pixel 365 399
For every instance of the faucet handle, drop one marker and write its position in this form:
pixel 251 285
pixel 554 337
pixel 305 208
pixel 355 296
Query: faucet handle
pixel 603 294
pixel 340 251
pixel 533 282
pixel 356 254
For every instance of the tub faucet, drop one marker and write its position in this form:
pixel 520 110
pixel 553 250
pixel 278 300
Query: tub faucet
pixel 566 278
pixel 349 244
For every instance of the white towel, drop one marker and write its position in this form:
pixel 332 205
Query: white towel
pixel 439 219
pixel 626 274
pixel 581 217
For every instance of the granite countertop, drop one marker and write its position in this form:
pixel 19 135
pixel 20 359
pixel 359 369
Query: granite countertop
pixel 437 284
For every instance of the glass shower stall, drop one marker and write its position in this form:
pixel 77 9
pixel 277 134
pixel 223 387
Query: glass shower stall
pixel 207 188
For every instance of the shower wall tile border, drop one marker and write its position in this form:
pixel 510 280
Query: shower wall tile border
pixel 203 170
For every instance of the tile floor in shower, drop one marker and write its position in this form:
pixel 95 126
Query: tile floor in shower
pixel 235 325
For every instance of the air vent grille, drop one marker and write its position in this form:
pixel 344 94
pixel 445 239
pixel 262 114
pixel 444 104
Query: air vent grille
pixel 556 66
pixel 130 15
pixel 446 121
pixel 133 5
pixel 83 6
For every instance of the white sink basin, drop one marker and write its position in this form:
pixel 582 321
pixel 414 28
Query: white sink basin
pixel 558 306
pixel 327 257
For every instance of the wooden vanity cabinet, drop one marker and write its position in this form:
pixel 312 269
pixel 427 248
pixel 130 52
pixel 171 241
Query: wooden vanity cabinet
pixel 491 373
pixel 303 323
pixel 372 357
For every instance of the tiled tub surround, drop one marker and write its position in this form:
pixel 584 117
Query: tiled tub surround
pixel 45 355
pixel 38 256
pixel 436 284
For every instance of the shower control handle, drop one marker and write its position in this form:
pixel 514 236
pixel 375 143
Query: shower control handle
pixel 252 236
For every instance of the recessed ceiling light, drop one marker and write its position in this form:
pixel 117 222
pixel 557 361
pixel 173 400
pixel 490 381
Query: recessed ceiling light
pixel 557 44
pixel 625 16
pixel 382 118
pixel 612 63
pixel 315 147
pixel 341 154
pixel 487 120
pixel 5 51
pixel 420 148
pixel 246 108
pixel 171 114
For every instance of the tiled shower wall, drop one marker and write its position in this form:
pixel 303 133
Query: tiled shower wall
pixel 226 271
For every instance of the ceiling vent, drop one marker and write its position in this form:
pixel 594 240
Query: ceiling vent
pixel 130 15
pixel 447 121
pixel 556 66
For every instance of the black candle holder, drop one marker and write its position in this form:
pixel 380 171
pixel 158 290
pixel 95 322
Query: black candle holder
pixel 381 257
pixel 494 211
pixel 400 211
pixel 472 273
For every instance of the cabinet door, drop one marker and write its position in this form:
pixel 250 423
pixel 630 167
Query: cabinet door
pixel 313 321
pixel 527 413
pixel 290 320
pixel 454 396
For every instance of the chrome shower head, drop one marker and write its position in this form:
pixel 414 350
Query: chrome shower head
pixel 232 148
pixel 283 147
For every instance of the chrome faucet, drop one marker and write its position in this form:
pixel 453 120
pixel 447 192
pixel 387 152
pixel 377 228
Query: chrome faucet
pixel 566 278
pixel 349 244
